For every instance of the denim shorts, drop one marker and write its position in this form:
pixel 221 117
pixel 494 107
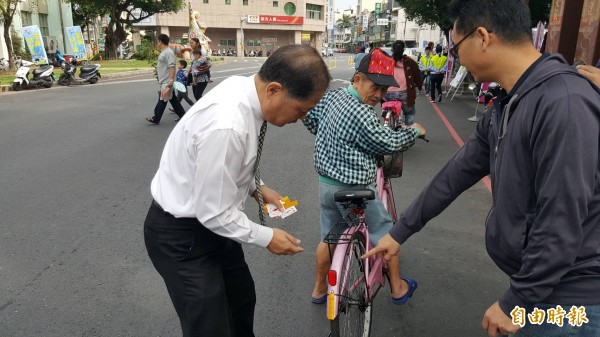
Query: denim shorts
pixel 379 221
pixel 590 329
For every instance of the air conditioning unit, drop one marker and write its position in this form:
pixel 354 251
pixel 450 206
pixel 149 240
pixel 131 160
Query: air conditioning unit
pixel 50 43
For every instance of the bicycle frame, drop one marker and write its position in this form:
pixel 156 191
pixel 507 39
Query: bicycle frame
pixel 373 268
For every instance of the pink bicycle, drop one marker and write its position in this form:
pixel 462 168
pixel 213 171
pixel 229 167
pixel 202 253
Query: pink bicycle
pixel 353 282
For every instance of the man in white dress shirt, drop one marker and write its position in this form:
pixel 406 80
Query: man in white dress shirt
pixel 195 226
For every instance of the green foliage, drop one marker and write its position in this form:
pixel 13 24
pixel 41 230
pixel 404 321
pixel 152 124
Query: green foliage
pixel 84 12
pixel 18 48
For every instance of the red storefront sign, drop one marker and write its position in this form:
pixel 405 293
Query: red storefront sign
pixel 276 19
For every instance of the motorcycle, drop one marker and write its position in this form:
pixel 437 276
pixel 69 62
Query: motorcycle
pixel 88 73
pixel 488 94
pixel 44 76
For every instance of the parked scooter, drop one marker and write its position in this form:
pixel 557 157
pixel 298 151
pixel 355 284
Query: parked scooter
pixel 492 91
pixel 89 73
pixel 44 76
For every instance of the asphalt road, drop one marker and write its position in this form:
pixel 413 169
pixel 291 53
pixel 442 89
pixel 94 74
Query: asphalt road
pixel 75 169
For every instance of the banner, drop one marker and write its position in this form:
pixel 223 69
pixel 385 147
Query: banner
pixel 450 58
pixel 276 19
pixel 76 39
pixel 33 39
pixel 538 37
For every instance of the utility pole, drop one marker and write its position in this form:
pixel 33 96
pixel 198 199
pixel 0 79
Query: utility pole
pixel 242 47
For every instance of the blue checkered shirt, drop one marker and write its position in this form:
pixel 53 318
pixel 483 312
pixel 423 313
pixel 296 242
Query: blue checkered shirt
pixel 350 138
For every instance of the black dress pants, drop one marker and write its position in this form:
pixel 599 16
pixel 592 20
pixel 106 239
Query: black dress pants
pixel 159 109
pixel 206 275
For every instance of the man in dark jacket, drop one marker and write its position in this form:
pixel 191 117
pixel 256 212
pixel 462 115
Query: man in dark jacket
pixel 540 145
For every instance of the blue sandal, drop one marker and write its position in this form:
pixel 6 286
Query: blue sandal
pixel 412 286
pixel 319 300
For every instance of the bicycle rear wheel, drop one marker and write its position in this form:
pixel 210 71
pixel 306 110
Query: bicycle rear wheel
pixel 354 311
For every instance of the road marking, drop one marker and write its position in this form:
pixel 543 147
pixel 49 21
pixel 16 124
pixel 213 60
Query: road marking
pixel 153 79
pixel 340 80
pixel 486 180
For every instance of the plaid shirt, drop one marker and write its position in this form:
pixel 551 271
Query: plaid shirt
pixel 350 138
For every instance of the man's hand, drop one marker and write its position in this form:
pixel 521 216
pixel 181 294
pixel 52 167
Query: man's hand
pixel 283 243
pixel 422 131
pixel 497 323
pixel 387 248
pixel 270 196
pixel 590 72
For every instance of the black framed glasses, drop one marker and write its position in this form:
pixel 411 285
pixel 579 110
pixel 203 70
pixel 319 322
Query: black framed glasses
pixel 454 50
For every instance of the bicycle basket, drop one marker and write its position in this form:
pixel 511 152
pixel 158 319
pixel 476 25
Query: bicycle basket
pixel 392 164
pixel 338 233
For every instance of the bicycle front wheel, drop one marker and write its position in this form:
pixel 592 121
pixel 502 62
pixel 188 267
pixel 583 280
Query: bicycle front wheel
pixel 354 310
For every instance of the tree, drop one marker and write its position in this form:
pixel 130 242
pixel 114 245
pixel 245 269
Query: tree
pixel 8 8
pixel 345 22
pixel 435 12
pixel 123 14
pixel 85 13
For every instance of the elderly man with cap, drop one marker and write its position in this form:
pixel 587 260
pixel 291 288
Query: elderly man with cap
pixel 349 139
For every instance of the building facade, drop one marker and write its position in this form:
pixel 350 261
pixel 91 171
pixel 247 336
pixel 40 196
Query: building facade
pixel 52 16
pixel 253 25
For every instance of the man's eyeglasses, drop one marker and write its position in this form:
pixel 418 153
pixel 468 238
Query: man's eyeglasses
pixel 454 50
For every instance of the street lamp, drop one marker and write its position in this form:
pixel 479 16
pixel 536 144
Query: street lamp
pixel 242 47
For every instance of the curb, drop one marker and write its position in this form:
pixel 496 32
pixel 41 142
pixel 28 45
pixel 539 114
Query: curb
pixel 7 88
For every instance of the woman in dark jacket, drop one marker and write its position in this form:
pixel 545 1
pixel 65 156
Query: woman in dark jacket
pixel 408 76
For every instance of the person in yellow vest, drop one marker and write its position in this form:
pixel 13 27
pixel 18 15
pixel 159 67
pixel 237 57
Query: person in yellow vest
pixel 437 70
pixel 424 63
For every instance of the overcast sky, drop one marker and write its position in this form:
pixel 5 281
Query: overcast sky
pixel 344 4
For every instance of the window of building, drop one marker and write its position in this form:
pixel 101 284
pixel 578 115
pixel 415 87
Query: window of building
pixel 26 19
pixel 245 2
pixel 314 12
pixel 253 43
pixel 227 43
pixel 204 1
pixel 289 8
pixel 44 24
pixel 228 2
pixel 275 3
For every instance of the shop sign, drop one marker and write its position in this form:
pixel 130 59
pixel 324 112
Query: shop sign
pixel 276 19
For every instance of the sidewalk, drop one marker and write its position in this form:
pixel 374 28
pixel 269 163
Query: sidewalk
pixel 149 71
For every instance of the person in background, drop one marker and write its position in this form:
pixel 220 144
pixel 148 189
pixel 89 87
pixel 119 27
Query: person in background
pixel 181 77
pixel 408 77
pixel 539 144
pixel 165 70
pixel 424 63
pixel 437 71
pixel 200 68
pixel 359 56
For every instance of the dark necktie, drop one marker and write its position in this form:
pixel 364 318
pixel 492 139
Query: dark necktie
pixel 261 138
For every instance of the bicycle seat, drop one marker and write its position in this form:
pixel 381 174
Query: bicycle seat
pixel 354 196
